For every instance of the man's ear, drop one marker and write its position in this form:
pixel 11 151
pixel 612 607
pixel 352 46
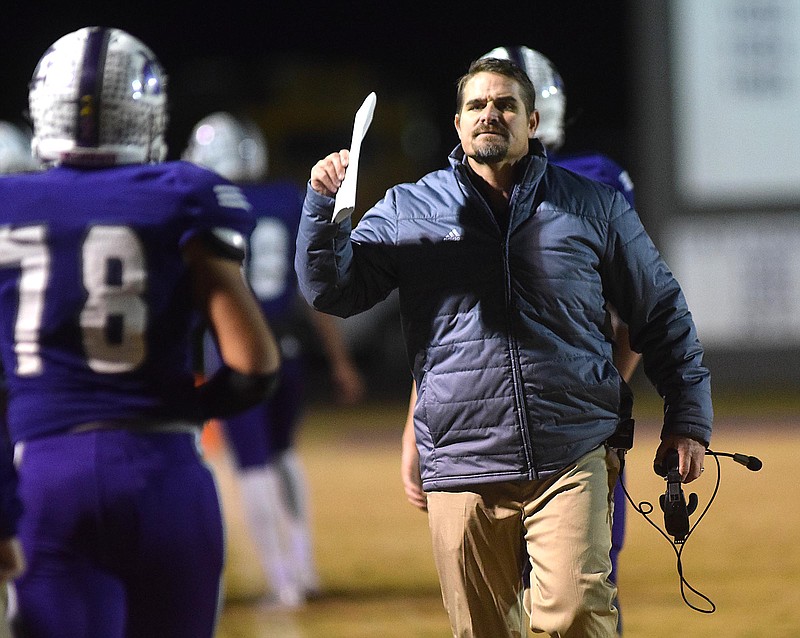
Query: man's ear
pixel 533 123
pixel 457 122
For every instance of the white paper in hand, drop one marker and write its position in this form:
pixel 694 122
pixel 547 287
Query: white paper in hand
pixel 346 195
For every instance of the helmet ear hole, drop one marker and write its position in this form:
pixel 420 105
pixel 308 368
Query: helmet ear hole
pixel 98 97
pixel 551 100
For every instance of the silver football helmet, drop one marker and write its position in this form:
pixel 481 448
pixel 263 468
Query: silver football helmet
pixel 98 98
pixel 15 150
pixel 551 101
pixel 232 146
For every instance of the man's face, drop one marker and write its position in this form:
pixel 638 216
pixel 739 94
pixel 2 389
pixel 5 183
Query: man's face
pixel 492 124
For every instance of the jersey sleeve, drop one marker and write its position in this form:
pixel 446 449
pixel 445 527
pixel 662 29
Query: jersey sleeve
pixel 215 208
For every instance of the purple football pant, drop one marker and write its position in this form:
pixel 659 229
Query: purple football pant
pixel 617 527
pixel 618 539
pixel 259 434
pixel 123 536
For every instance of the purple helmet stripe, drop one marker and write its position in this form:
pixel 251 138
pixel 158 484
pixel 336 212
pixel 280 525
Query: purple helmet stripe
pixel 90 86
pixel 515 55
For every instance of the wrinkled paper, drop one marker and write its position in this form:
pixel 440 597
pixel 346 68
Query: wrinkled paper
pixel 346 195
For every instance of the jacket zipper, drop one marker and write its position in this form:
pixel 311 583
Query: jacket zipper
pixel 520 405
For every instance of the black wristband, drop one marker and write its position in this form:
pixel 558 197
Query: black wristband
pixel 229 392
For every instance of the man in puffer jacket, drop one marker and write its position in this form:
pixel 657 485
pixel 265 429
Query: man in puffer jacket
pixel 504 265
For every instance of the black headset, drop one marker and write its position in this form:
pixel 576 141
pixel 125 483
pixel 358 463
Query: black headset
pixel 677 510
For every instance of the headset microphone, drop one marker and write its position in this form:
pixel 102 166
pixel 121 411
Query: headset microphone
pixel 752 463
pixel 677 509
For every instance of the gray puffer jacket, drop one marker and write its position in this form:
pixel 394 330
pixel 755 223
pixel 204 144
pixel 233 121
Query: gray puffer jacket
pixel 508 334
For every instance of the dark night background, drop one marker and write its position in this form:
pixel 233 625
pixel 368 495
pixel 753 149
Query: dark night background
pixel 245 56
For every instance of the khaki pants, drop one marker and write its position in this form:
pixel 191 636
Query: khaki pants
pixel 479 545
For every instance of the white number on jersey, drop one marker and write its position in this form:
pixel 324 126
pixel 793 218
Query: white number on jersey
pixel 115 276
pixel 25 248
pixel 114 318
pixel 269 267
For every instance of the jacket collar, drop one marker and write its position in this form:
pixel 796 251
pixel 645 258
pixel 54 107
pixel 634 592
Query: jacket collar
pixel 534 164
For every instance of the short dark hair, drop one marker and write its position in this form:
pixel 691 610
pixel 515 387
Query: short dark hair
pixel 501 67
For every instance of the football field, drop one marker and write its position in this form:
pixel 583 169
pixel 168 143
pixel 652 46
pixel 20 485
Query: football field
pixel 374 552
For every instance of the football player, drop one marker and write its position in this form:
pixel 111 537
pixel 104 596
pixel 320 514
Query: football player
pixel 262 438
pixel 107 257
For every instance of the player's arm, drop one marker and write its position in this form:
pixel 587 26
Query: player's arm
pixel 12 560
pixel 409 459
pixel 346 377
pixel 625 359
pixel 246 343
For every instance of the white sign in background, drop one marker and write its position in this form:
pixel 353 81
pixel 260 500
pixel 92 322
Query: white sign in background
pixel 741 277
pixel 736 79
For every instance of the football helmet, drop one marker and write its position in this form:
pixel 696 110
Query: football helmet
pixel 15 150
pixel 232 146
pixel 551 101
pixel 98 98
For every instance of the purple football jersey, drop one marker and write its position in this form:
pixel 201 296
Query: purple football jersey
pixel 270 265
pixel 95 298
pixel 598 167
